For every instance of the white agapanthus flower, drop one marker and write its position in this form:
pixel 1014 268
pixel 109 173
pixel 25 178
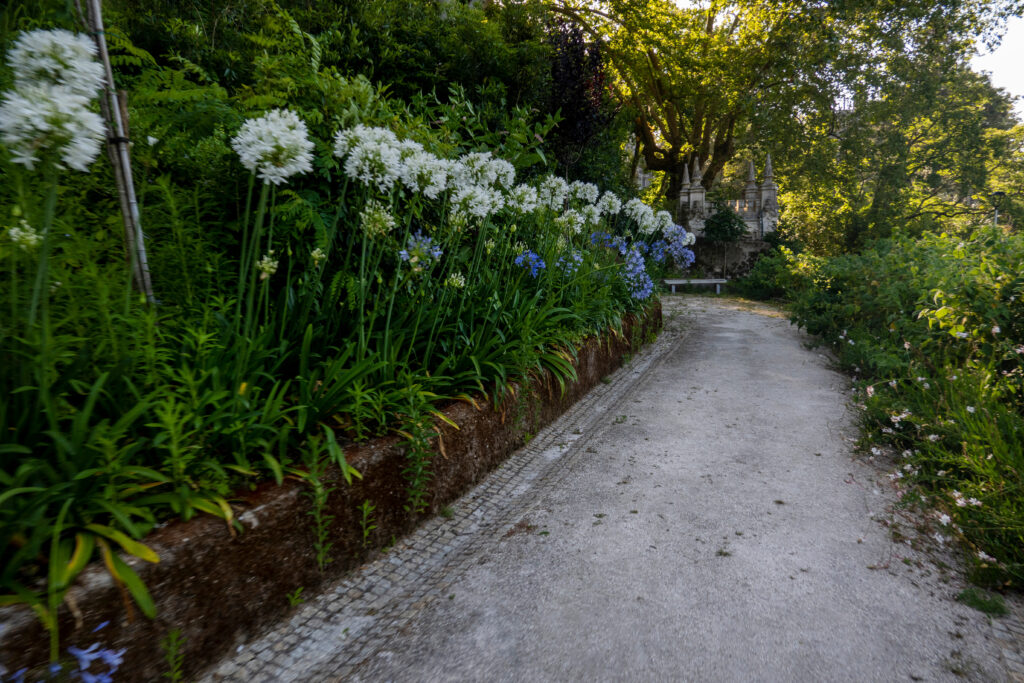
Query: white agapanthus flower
pixel 455 281
pixel 275 146
pixel 553 192
pixel 375 219
pixel 25 236
pixel 609 204
pixel 572 221
pixel 425 173
pixel 56 57
pixel 473 169
pixel 585 192
pixel 344 140
pixel 642 214
pixel 478 201
pixel 375 163
pixel 523 198
pixel 53 121
pixel 663 220
pixel 406 148
pixel 591 214
pixel 267 265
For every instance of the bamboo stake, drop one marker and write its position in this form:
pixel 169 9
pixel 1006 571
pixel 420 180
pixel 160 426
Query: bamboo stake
pixel 115 113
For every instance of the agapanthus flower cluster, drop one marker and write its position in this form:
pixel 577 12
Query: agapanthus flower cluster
pixel 455 281
pixel 634 274
pixel 423 172
pixel 57 57
pixel 570 263
pixel 267 265
pixel 552 192
pixel 24 236
pixel 88 660
pixel 531 261
pixel 677 247
pixel 318 255
pixel 639 213
pixel 591 214
pixel 275 146
pixel 584 192
pixel 609 204
pixel 481 168
pixel 609 241
pixel 572 221
pixel 420 252
pixel 48 114
pixel 523 198
pixel 657 251
pixel 372 156
pixel 478 200
pixel 375 219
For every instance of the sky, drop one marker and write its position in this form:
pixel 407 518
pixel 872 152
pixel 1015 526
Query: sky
pixel 1006 64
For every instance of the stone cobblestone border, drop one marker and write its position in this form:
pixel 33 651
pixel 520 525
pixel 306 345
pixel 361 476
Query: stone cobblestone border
pixel 330 637
pixel 219 588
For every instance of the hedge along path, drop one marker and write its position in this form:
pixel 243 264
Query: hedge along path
pixel 703 516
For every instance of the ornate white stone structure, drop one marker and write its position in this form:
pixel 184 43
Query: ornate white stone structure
pixel 759 206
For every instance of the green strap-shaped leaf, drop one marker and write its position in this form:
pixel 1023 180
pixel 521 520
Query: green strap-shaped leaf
pixel 125 575
pixel 130 546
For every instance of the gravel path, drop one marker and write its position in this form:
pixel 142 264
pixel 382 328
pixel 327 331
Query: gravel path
pixel 702 517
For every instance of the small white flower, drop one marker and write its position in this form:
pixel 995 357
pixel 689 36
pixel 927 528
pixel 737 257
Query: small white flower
pixel 970 409
pixel 995 329
pixel 56 57
pixel 455 281
pixel 985 557
pixel 318 257
pixel 25 236
pixel 850 341
pixel 267 265
pixel 944 519
pixel 974 502
pixel 151 141
pixel 275 146
pixel 961 335
pixel 892 383
pixel 933 437
pixel 870 391
pixel 876 451
pixel 375 219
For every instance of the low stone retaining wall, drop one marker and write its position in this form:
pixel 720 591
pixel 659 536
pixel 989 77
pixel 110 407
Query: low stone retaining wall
pixel 216 588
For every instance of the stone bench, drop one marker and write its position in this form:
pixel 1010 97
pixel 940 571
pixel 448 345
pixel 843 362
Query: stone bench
pixel 717 282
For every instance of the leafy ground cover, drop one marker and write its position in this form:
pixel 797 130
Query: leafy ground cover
pixel 933 328
pixel 328 263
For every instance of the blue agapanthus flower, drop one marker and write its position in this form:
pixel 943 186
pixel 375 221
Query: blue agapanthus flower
pixel 657 251
pixel 531 261
pixel 634 274
pixel 570 263
pixel 678 243
pixel 420 252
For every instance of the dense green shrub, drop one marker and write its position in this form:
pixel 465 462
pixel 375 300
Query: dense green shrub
pixel 934 329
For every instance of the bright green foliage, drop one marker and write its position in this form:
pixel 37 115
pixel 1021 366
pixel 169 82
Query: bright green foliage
pixel 117 416
pixel 934 327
